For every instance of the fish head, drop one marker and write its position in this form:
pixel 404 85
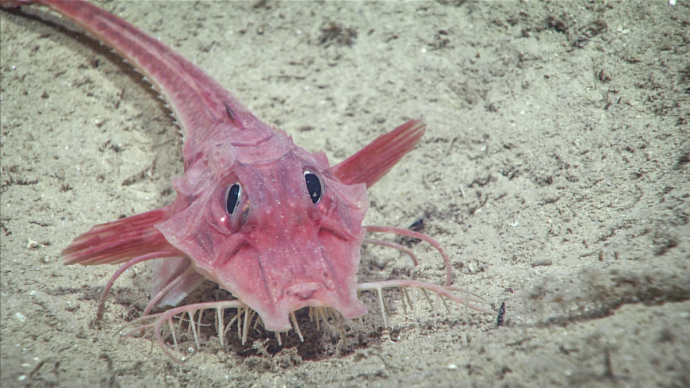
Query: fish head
pixel 274 227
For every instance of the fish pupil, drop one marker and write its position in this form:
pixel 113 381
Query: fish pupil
pixel 233 198
pixel 313 186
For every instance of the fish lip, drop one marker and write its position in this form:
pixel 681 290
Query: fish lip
pixel 303 290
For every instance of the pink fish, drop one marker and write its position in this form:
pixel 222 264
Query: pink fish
pixel 271 223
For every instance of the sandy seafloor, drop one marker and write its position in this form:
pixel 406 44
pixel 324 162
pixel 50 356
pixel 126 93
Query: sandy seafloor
pixel 555 170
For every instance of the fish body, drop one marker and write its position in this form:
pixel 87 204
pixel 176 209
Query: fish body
pixel 271 223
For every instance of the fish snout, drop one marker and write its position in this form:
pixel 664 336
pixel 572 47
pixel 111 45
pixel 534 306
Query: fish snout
pixel 303 290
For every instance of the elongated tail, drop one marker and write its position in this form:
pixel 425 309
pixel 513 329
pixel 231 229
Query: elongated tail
pixel 198 102
pixel 119 241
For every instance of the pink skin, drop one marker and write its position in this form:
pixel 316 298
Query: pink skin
pixel 278 251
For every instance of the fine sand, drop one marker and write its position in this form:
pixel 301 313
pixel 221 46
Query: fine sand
pixel 555 171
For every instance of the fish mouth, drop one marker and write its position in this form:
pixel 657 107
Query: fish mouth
pixel 277 317
pixel 276 293
pixel 319 271
pixel 303 290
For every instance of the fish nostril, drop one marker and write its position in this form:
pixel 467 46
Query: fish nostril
pixel 303 290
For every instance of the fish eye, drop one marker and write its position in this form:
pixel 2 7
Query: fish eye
pixel 233 195
pixel 314 186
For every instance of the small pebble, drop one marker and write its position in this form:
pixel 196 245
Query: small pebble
pixel 32 244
